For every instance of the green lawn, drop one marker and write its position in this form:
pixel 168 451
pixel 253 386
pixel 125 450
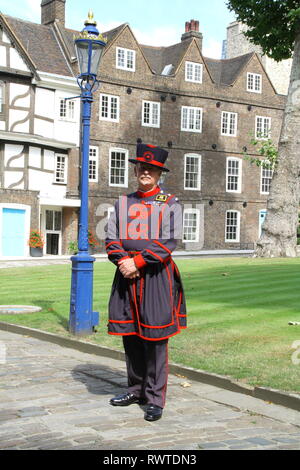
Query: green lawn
pixel 238 314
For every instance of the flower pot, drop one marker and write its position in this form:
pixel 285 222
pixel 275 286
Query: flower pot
pixel 38 251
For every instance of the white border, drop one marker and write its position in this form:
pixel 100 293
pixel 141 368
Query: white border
pixel 125 50
pixel 254 75
pixel 201 116
pixel 150 114
pixel 101 118
pixel 191 211
pixel 261 177
pixel 238 226
pixel 270 124
pixel 94 159
pixel 239 190
pixel 228 124
pixel 201 73
pixel 116 149
pixel 195 155
pixel 66 168
pixel 43 210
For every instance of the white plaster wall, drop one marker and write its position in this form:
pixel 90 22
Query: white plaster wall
pixel 16 61
pixel 67 131
pixel 15 116
pixel 16 90
pixel 12 177
pixel 49 160
pixel 45 103
pixel 44 128
pixel 11 150
pixel 5 38
pixel 43 182
pixel 2 125
pixel 3 56
pixel 34 157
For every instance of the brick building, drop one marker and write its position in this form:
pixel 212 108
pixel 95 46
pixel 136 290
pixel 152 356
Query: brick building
pixel 204 111
pixel 236 44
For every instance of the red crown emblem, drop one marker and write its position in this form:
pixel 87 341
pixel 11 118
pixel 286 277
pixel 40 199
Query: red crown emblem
pixel 148 156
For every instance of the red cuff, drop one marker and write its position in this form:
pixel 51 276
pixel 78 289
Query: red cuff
pixel 139 261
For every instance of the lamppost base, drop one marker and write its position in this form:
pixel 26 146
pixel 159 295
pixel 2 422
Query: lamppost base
pixel 82 320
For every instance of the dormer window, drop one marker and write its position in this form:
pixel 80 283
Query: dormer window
pixel 125 59
pixel 254 82
pixel 193 72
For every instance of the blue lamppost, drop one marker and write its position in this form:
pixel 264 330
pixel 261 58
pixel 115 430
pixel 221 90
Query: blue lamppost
pixel 89 47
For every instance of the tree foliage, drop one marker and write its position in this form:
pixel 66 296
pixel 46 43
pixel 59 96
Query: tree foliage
pixel 267 150
pixel 273 24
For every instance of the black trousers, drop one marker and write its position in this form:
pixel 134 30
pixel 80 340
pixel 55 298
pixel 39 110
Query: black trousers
pixel 147 368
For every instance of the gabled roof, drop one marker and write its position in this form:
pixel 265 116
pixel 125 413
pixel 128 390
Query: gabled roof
pixel 67 36
pixel 50 49
pixel 226 71
pixel 41 44
pixel 159 57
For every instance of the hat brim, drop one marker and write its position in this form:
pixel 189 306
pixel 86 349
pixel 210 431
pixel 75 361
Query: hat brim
pixel 155 166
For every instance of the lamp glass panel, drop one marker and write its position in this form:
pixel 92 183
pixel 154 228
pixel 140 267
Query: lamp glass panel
pixel 96 56
pixel 82 50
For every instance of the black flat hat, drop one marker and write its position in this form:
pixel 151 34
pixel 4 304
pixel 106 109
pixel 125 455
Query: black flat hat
pixel 152 155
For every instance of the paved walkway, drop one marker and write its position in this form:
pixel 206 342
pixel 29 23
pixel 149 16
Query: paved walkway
pixel 53 397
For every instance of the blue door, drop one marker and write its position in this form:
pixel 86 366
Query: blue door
pixel 262 216
pixel 13 232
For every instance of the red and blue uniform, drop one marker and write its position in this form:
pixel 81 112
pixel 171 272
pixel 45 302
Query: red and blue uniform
pixel 151 306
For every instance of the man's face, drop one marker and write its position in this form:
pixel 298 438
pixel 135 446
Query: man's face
pixel 147 176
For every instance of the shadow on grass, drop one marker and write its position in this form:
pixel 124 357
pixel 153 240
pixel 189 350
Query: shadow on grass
pixel 47 307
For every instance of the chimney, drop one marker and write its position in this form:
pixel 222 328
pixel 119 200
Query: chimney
pixel 52 10
pixel 192 31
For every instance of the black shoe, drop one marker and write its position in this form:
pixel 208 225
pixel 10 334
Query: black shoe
pixel 124 400
pixel 153 413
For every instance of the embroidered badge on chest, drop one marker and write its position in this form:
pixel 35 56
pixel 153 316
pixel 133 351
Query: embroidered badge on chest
pixel 161 197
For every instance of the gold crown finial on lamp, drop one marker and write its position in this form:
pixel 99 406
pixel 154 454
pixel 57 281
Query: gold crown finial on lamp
pixel 90 19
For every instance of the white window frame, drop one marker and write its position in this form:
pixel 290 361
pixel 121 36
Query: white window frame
pixel 190 110
pixel 151 114
pixel 110 99
pixel 93 159
pixel 69 110
pixel 254 76
pixel 237 229
pixel 262 176
pixel 121 150
pixel 196 157
pixel 126 54
pixel 228 124
pixel 239 176
pixel 65 169
pixel 197 213
pixel 190 69
pixel 264 118
pixel 45 230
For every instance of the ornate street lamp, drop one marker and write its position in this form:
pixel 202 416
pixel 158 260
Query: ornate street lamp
pixel 89 47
